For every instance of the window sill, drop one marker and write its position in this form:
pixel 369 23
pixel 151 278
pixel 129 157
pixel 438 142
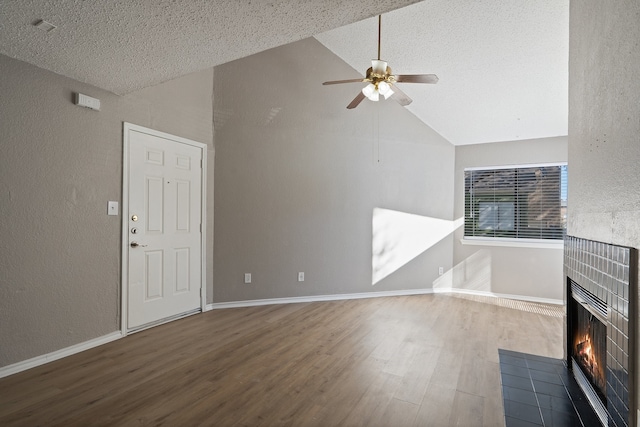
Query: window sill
pixel 515 243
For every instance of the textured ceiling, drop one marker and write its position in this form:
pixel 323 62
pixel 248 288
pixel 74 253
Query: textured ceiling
pixel 124 45
pixel 503 64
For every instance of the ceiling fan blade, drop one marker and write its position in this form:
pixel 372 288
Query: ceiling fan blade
pixel 357 100
pixel 336 82
pixel 400 97
pixel 417 78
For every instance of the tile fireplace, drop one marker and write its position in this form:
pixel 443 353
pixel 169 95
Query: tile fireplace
pixel 600 332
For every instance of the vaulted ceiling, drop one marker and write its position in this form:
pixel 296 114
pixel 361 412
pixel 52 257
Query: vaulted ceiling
pixel 502 63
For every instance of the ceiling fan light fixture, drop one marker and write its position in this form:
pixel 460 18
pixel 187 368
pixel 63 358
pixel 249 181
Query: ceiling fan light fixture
pixel 385 89
pixel 370 92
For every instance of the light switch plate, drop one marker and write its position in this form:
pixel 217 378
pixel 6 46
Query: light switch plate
pixel 112 208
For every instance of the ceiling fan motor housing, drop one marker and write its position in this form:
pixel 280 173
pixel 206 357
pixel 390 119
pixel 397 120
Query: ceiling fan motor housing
pixel 379 71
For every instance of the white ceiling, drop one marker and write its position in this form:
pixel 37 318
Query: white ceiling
pixel 502 63
pixel 125 45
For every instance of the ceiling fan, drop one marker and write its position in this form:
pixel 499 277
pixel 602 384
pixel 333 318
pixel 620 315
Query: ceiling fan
pixel 382 82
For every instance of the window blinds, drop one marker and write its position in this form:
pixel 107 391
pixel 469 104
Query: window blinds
pixel 516 202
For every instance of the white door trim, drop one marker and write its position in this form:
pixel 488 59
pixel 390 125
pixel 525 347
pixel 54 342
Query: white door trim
pixel 124 289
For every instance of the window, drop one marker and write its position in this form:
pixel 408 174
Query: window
pixel 528 202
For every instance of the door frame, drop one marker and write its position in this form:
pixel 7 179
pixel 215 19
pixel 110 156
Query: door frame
pixel 124 289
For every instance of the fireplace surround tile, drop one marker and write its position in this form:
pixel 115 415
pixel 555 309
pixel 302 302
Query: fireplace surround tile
pixel 609 272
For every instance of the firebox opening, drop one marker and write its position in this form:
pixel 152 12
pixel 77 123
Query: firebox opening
pixel 589 347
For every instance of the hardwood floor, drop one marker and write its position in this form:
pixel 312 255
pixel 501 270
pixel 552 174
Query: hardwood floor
pixel 429 360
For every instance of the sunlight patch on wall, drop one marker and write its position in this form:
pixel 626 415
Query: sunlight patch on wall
pixel 399 237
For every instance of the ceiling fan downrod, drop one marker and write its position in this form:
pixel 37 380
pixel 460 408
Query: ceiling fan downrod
pixel 379 34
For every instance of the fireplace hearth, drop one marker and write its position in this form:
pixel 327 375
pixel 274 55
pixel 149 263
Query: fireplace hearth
pixel 600 332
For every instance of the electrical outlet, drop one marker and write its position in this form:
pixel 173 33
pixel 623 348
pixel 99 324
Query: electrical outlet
pixel 301 276
pixel 247 277
pixel 440 271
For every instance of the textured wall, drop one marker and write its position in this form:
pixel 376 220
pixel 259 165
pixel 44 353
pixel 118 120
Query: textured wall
pixel 493 269
pixel 298 177
pixel 604 123
pixel 60 164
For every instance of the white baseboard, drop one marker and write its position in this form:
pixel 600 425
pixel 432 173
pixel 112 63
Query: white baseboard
pixel 338 297
pixel 58 354
pixel 316 298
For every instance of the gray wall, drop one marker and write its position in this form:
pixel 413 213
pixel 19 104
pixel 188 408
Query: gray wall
pixel 60 164
pixel 604 122
pixel 298 177
pixel 302 184
pixel 493 269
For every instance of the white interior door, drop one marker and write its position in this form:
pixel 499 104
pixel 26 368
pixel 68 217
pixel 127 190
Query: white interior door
pixel 164 233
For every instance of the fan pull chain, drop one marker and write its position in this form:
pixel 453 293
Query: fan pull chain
pixel 378 126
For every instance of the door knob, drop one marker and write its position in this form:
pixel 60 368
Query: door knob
pixel 136 244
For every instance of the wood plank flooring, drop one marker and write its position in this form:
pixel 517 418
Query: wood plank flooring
pixel 429 360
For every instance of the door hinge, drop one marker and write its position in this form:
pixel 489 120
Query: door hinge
pixel 201 228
